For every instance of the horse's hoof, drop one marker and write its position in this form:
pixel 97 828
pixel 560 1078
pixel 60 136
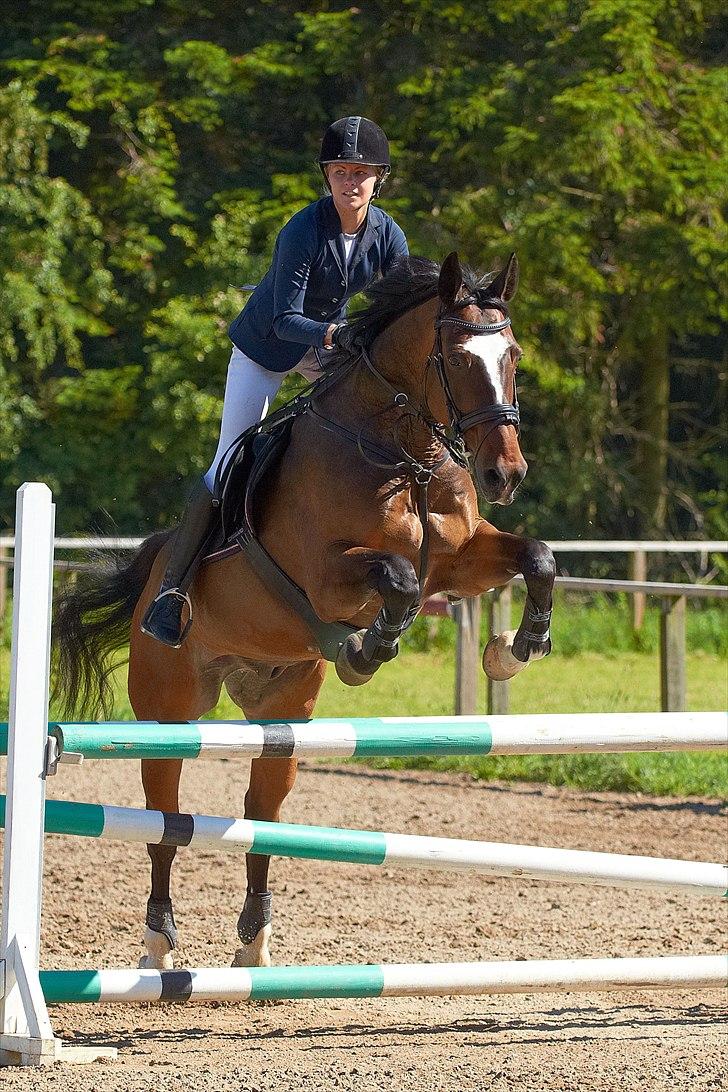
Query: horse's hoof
pixel 159 952
pixel 255 954
pixel 499 663
pixel 350 663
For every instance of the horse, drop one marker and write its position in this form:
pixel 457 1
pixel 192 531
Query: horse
pixel 371 508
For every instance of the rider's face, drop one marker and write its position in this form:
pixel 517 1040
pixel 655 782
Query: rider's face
pixel 352 184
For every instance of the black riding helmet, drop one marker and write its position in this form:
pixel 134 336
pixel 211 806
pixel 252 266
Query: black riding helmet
pixel 356 140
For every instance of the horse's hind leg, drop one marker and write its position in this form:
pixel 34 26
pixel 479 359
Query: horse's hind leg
pixel 163 685
pixel 291 695
pixel 160 778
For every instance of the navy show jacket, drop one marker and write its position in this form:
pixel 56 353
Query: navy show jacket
pixel 309 283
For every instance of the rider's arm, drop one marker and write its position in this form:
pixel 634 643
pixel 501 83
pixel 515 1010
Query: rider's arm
pixel 293 267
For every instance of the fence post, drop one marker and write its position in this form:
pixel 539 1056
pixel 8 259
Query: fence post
pixel 499 614
pixel 672 654
pixel 4 569
pixel 638 571
pixel 26 1036
pixel 467 656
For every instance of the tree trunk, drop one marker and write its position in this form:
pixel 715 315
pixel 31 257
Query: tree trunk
pixel 654 400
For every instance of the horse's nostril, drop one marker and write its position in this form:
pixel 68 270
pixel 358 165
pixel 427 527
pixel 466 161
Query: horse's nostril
pixel 495 479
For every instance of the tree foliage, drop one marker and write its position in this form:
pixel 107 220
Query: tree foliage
pixel 151 150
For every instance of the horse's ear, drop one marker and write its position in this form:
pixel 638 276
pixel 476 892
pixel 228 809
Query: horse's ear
pixel 505 284
pixel 451 280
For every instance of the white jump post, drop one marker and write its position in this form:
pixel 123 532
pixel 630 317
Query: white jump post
pixel 26 1035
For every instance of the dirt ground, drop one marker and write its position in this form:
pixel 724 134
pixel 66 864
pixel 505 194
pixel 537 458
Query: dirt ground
pixel 329 913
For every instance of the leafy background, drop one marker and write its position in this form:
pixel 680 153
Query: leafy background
pixel 150 150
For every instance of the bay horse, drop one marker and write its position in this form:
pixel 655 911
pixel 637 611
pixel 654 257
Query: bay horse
pixel 436 381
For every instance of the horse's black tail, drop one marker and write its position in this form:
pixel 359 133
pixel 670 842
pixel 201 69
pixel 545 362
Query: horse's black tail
pixel 91 622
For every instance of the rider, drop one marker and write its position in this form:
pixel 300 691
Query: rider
pixel 327 252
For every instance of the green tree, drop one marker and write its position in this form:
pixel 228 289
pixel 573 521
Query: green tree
pixel 151 151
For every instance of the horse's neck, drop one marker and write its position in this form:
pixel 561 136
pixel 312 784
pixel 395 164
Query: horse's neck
pixel 400 355
pixel 402 350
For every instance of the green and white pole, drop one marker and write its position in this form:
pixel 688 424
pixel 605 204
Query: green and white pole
pixel 382 737
pixel 386 980
pixel 369 847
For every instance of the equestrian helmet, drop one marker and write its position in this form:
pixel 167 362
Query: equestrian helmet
pixel 355 140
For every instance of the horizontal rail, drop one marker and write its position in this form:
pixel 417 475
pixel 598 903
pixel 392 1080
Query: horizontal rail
pixel 570 546
pixel 553 733
pixel 644 587
pixel 369 847
pixel 437 606
pixel 622 546
pixel 385 980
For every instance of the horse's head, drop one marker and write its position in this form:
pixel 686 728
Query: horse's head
pixel 478 357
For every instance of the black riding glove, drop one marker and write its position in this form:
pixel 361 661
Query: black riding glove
pixel 347 337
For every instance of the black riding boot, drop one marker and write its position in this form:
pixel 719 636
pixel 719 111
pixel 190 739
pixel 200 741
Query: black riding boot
pixel 163 618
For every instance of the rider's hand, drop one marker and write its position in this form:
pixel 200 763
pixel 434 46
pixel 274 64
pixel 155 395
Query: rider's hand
pixel 328 336
pixel 345 336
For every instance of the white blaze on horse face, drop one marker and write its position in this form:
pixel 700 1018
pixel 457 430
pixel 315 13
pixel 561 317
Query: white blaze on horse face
pixel 490 348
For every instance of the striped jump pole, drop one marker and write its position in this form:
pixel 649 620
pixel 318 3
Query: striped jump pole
pixel 381 737
pixel 376 848
pixel 386 980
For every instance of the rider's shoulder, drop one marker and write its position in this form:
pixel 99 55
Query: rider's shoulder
pixel 305 221
pixel 383 219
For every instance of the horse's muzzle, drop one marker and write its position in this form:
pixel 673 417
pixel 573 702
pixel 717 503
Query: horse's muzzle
pixel 499 483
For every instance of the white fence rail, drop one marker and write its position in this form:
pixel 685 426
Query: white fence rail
pixel 563 546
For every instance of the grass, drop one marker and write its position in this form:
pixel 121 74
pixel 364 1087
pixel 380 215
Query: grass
pixel 609 675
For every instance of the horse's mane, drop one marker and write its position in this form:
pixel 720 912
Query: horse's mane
pixel 410 282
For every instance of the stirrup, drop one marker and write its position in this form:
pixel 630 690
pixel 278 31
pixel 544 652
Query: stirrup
pixel 183 597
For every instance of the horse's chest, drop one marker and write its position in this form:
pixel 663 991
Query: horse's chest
pixel 450 520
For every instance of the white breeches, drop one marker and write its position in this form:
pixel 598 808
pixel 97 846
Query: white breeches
pixel 249 391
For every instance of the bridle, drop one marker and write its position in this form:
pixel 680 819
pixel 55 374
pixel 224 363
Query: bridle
pixel 500 413
pixel 452 436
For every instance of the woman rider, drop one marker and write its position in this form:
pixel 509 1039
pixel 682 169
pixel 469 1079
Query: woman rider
pixel 326 253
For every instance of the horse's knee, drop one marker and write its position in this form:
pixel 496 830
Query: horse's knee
pixel 395 579
pixel 537 563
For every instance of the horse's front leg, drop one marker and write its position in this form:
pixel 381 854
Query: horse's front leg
pixel 351 579
pixel 490 559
